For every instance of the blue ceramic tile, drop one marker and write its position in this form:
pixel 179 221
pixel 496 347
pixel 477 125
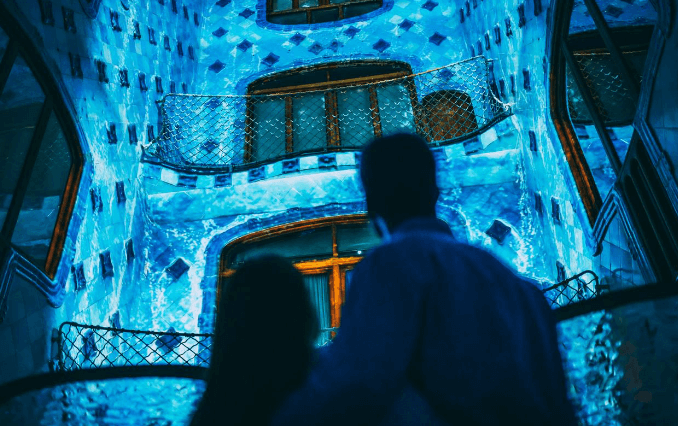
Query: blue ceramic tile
pixel 95 197
pixel 151 36
pixel 46 12
pixel 537 7
pixel 69 20
pixel 613 11
pixel 461 15
pixel 101 71
pixel 334 46
pixel 270 60
pixel 79 276
pixel 381 45
pixel 180 48
pixel 290 166
pixel 219 32
pixel 136 34
pixel 561 275
pixel 89 346
pixel 256 174
pixel 297 38
pixel 209 145
pixel 555 210
pixel 120 192
pixel 437 38
pixel 168 342
pixel 114 320
pixel 177 268
pixel 244 45
pixel 498 231
pixel 223 3
pixel 76 66
pixel 132 133
pixel 217 66
pixel 221 181
pixel 115 21
pixel 439 154
pixel 521 15
pixel 246 13
pixel 316 48
pixel 327 161
pixel 429 5
pixel 129 250
pixel 166 43
pixel 142 82
pixel 189 181
pixel 472 146
pixel 123 78
pixel 106 264
pixel 533 141
pixel 158 84
pixel 406 24
pixel 111 134
pixel 351 31
pixel 526 79
pixel 538 204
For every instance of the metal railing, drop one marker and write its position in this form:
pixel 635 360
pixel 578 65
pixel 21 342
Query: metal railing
pixel 89 346
pixel 582 286
pixel 202 133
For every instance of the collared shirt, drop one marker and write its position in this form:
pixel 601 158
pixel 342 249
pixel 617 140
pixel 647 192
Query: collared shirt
pixel 477 342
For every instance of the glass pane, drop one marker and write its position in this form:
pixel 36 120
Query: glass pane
pixel 621 138
pixel 360 9
pixel 623 13
pixel 318 286
pixel 395 109
pixel 20 105
pixel 355 240
pixel 4 41
pixel 304 245
pixel 595 155
pixel 324 15
pixel 355 117
pixel 40 208
pixel 309 122
pixel 621 364
pixel 137 401
pixel 279 5
pixel 288 18
pixel 610 93
pixel 308 3
pixel 269 129
pixel 616 264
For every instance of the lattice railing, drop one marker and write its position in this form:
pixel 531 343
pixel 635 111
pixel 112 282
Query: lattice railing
pixel 585 285
pixel 212 133
pixel 89 346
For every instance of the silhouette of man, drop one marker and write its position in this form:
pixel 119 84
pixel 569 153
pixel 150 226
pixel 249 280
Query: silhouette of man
pixel 475 341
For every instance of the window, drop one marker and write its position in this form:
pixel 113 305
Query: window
pixel 327 107
pixel 597 64
pixel 324 250
pixel 290 12
pixel 448 114
pixel 39 155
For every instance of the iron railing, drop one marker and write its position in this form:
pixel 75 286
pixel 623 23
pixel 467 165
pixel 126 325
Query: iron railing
pixel 583 286
pixel 89 346
pixel 202 133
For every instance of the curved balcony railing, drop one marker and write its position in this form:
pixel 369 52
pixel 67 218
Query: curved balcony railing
pixel 582 286
pixel 209 134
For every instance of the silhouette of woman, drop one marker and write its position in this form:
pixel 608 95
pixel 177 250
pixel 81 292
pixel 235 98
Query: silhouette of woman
pixel 263 344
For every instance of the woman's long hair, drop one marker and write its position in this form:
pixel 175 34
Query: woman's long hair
pixel 263 343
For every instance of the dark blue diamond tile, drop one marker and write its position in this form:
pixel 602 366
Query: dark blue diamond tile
pixel 499 231
pixel 244 45
pixel 246 13
pixel 217 66
pixel 297 38
pixel 334 46
pixel 129 250
pixel 79 276
pixel 437 38
pixel 351 31
pixel 89 345
pixel 223 3
pixel 538 203
pixel 381 45
pixel 613 11
pixel 219 32
pixel 177 268
pixel 114 320
pixel 271 59
pixel 255 175
pixel 533 141
pixel 209 145
pixel 187 181
pixel 406 24
pixel 316 48
pixel 555 210
pixel 290 166
pixel 106 264
pixel 120 192
pixel 221 181
pixel 439 154
pixel 327 161
pixel 429 5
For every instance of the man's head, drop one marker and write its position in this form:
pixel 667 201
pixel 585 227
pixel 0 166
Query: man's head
pixel 398 173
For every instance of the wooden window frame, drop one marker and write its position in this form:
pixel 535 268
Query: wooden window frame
pixel 335 265
pixel 53 104
pixel 322 5
pixel 562 56
pixel 330 88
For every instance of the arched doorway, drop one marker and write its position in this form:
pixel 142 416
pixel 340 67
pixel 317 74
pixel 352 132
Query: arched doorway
pixel 324 250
